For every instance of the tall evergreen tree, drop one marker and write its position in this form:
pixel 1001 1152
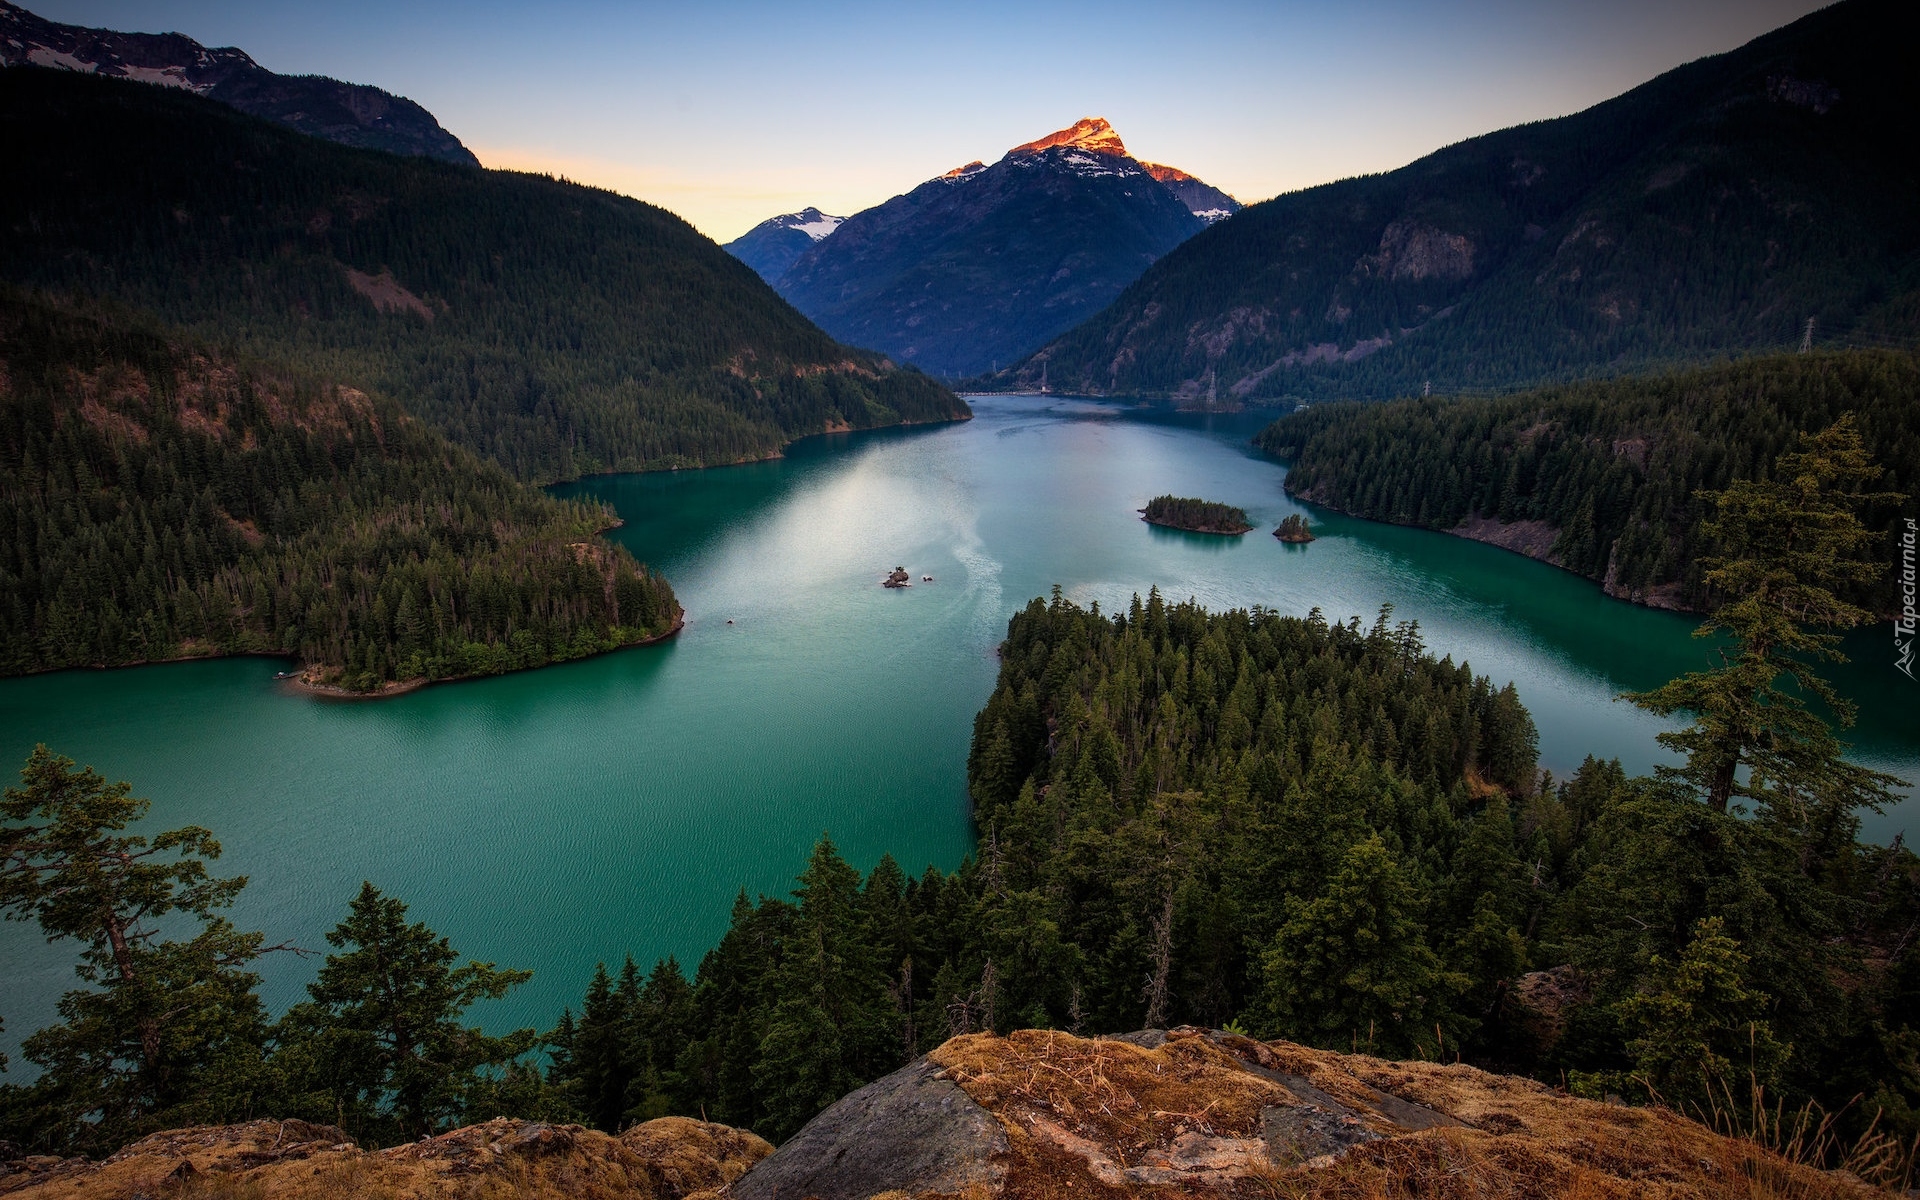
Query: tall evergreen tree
pixel 1351 969
pixel 168 1030
pixel 380 1039
pixel 1790 546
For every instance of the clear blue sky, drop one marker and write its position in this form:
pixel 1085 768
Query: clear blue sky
pixel 728 113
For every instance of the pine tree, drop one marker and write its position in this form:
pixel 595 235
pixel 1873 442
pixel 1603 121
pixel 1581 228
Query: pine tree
pixel 381 1035
pixel 830 1027
pixel 1789 546
pixel 1697 1035
pixel 167 1031
pixel 1352 969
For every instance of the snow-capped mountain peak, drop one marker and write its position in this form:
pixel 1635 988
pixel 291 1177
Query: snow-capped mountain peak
pixel 810 221
pixel 1088 133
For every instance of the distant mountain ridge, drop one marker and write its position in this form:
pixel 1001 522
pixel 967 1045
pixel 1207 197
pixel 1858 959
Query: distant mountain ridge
pixel 557 329
pixel 771 246
pixel 984 263
pixel 1713 210
pixel 352 114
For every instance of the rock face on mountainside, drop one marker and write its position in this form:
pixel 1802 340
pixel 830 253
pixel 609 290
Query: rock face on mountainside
pixel 1715 209
pixel 665 1159
pixel 985 263
pixel 771 246
pixel 1200 1112
pixel 352 114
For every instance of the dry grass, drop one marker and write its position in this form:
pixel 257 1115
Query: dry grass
pixel 1075 1109
pixel 501 1160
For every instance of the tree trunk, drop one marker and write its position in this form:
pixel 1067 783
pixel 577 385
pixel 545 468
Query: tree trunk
pixel 1158 991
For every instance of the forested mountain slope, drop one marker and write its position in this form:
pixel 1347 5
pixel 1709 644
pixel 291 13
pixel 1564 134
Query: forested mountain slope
pixel 1603 478
pixel 159 500
pixel 1716 208
pixel 554 328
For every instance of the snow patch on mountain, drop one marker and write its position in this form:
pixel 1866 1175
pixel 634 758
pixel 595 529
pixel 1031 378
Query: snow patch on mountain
pixel 810 221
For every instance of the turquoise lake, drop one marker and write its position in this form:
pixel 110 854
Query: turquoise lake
pixel 559 817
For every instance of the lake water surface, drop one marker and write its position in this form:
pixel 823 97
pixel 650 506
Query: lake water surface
pixel 583 812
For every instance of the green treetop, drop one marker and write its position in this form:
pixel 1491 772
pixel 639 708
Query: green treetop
pixel 382 1035
pixel 1789 546
pixel 168 1032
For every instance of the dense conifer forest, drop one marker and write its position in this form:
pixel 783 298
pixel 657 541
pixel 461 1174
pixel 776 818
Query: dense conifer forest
pixel 1200 516
pixel 160 500
pixel 1616 469
pixel 555 328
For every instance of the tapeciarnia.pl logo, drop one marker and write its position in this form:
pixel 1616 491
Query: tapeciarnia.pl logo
pixel 1903 625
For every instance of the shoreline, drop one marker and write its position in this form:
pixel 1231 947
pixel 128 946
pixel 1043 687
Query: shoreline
pixel 745 459
pixel 401 687
pixel 1529 540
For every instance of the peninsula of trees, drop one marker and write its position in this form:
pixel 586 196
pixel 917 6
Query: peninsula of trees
pixel 1195 516
pixel 1609 480
pixel 159 500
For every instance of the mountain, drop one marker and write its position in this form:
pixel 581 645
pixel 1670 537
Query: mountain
pixel 1716 209
pixel 771 246
pixel 352 114
pixel 555 328
pixel 987 262
pixel 160 500
pixel 1204 200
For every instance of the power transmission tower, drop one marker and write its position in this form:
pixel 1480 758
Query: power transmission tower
pixel 1806 339
pixel 1426 389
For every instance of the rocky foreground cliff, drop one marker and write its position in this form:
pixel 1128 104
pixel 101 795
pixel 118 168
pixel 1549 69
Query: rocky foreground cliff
pixel 1035 1114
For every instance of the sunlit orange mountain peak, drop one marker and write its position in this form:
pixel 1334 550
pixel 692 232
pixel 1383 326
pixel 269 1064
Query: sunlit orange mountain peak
pixel 1088 133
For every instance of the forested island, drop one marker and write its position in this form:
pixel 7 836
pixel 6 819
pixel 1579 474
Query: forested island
pixel 1286 826
pixel 1294 530
pixel 1195 516
pixel 161 500
pixel 1606 479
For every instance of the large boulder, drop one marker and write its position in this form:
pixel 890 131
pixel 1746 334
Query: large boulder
pixel 913 1131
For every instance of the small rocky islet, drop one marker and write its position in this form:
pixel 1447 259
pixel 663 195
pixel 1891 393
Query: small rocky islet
pixel 1294 530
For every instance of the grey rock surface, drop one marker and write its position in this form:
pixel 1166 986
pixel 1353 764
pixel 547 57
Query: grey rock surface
pixel 913 1130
